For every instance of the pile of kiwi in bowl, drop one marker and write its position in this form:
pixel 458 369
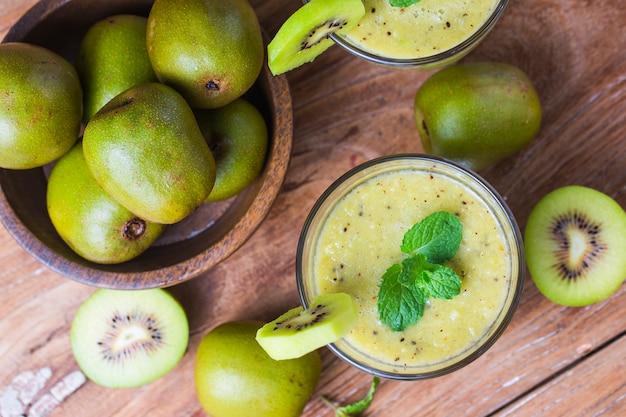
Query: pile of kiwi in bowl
pixel 187 247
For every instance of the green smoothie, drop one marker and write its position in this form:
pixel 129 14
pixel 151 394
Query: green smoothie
pixel 423 29
pixel 360 238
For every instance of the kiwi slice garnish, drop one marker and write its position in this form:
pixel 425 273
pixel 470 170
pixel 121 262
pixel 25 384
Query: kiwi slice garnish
pixel 575 243
pixel 300 331
pixel 306 33
pixel 124 339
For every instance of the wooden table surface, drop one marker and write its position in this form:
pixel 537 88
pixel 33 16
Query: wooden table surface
pixel 552 360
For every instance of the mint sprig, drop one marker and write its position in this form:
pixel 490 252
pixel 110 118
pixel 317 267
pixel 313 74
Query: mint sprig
pixel 357 407
pixel 407 286
pixel 402 3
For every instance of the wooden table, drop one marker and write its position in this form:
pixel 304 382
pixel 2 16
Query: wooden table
pixel 552 360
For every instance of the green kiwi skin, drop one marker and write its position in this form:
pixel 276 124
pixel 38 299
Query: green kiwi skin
pixel 238 137
pixel 90 221
pixel 604 221
pixel 233 375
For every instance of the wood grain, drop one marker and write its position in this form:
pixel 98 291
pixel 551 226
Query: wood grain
pixel 551 361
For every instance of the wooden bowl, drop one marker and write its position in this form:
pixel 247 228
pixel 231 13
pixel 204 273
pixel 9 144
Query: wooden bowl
pixel 186 249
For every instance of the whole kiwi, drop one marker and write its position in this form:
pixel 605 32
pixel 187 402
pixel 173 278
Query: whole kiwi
pixel 234 376
pixel 112 58
pixel 238 137
pixel 477 113
pixel 41 106
pixel 89 220
pixel 210 51
pixel 145 149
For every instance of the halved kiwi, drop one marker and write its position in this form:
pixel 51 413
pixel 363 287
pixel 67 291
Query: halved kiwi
pixel 124 339
pixel 305 34
pixel 300 331
pixel 575 242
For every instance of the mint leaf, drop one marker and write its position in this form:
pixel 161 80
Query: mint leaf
pixel 437 236
pixel 402 3
pixel 438 281
pixel 399 305
pixel 411 268
pixel 357 407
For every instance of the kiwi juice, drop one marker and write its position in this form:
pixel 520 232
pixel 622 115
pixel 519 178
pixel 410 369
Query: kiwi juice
pixel 423 29
pixel 354 235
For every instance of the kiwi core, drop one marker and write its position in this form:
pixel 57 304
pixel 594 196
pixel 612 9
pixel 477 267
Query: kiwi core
pixel 130 333
pixel 578 245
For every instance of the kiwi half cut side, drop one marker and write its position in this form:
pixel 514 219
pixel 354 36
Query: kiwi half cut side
pixel 575 243
pixel 305 34
pixel 300 331
pixel 123 339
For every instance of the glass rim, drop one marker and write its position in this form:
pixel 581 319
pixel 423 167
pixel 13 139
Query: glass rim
pixel 506 314
pixel 458 49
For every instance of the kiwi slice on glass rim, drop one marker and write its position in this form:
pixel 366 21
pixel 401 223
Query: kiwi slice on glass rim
pixel 300 331
pixel 123 339
pixel 306 33
pixel 575 243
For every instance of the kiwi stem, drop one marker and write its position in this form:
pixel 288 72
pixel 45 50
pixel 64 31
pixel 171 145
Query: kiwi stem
pixel 212 85
pixel 134 229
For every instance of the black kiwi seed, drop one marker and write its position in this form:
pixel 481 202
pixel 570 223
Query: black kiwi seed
pixel 314 316
pixel 321 32
pixel 594 248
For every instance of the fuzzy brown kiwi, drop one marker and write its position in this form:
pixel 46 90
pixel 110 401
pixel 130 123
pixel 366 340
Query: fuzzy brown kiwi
pixel 575 241
pixel 306 33
pixel 124 339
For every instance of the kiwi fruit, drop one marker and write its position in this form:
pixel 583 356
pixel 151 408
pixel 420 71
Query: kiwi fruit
pixel 41 106
pixel 477 113
pixel 235 377
pixel 238 137
pixel 89 220
pixel 300 331
pixel 306 33
pixel 123 339
pixel 575 241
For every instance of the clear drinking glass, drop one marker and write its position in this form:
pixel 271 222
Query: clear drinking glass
pixel 438 58
pixel 451 178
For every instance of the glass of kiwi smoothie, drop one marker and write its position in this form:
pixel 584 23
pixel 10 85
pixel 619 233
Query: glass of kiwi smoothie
pixel 427 34
pixel 353 236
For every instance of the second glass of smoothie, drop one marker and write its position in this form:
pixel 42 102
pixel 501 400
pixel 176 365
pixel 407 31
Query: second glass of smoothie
pixel 353 234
